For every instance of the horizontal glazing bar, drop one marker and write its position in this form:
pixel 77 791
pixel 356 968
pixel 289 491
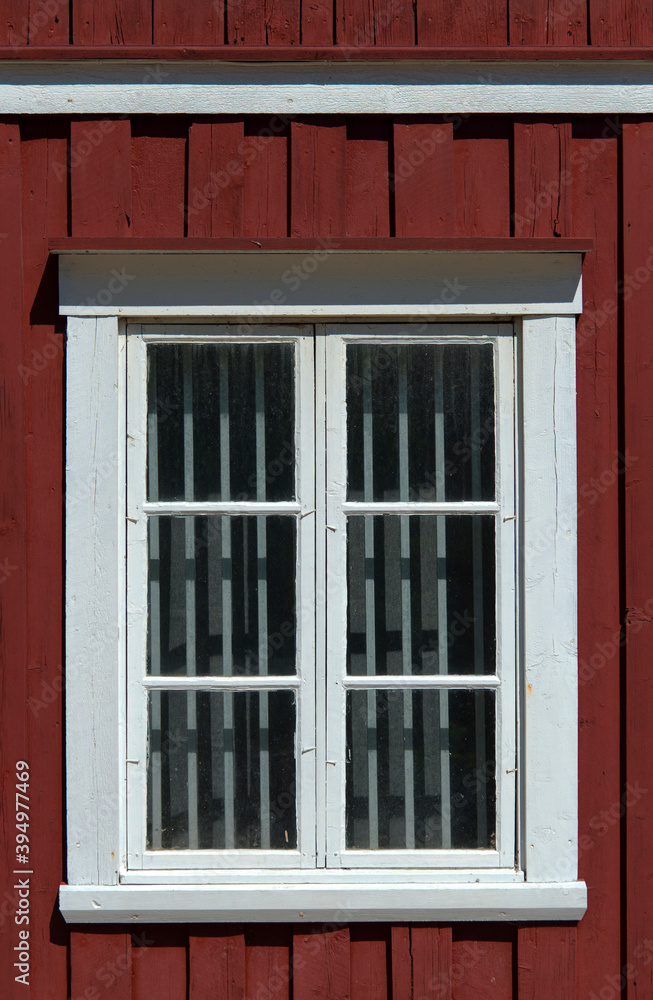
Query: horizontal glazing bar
pixel 253 682
pixel 399 507
pixel 210 507
pixel 419 681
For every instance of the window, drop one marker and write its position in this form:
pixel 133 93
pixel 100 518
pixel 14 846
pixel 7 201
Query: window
pixel 311 618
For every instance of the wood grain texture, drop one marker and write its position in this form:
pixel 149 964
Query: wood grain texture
pixel 215 197
pixel 600 477
pixel 100 964
pixel 100 177
pixel 158 177
pixel 469 22
pixel 422 178
pixel 318 177
pixel 265 171
pixel 160 969
pixel 114 22
pixel 548 22
pixel 401 969
pixel 199 23
pixel 263 22
pixel 638 367
pixel 44 210
pixel 482 171
pixel 546 962
pixel 321 964
pixel 34 22
pixel 482 962
pixel 317 22
pixel 368 177
pixel 216 963
pixel 542 179
pixel 375 22
pixel 621 22
pixel 13 639
pixel 268 966
pixel 369 964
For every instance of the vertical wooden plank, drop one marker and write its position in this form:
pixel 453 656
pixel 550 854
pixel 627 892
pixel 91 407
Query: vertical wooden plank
pixel 45 214
pixel 317 176
pixel 546 962
pixel 401 963
pixel 482 962
pixel 375 22
pixel 100 964
pixel 468 22
pixel 216 963
pixel 317 22
pixel 158 177
pixel 558 22
pixel 600 477
pixel 431 952
pixel 13 639
pixel 638 392
pixel 321 964
pixel 542 179
pixel 160 970
pixel 34 22
pixel 263 22
pixel 368 180
pixel 199 23
pixel 100 177
pixel 620 22
pixel 481 153
pixel 423 178
pixel 369 962
pixel 215 179
pixel 267 960
pixel 265 166
pixel 115 22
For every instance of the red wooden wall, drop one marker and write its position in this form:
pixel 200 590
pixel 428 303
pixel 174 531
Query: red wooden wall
pixel 326 22
pixel 254 177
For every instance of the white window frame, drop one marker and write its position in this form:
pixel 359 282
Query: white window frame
pixel 540 294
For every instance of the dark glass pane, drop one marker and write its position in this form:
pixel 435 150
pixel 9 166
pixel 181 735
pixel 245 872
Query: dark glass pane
pixel 421 594
pixel 420 422
pixel 420 769
pixel 221 422
pixel 221 770
pixel 222 595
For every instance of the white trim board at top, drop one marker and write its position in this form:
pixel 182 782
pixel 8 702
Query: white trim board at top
pixel 328 284
pixel 127 87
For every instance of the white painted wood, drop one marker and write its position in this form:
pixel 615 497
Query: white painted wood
pixel 249 287
pixel 407 682
pixel 415 86
pixel 204 508
pixel 316 876
pixel 549 622
pixel 95 574
pixel 352 901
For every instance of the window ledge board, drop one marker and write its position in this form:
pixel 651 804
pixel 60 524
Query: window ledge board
pixel 342 904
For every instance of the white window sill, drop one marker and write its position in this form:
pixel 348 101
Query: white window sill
pixel 353 901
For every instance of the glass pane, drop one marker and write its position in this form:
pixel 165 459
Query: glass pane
pixel 222 595
pixel 420 422
pixel 420 769
pixel 421 594
pixel 221 422
pixel 221 770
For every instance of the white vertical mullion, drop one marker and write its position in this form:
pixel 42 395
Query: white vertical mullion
pixel 189 552
pixel 406 629
pixel 370 609
pixel 310 654
pixel 477 590
pixel 152 458
pixel 262 598
pixel 137 602
pixel 336 596
pixel 227 602
pixel 441 556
